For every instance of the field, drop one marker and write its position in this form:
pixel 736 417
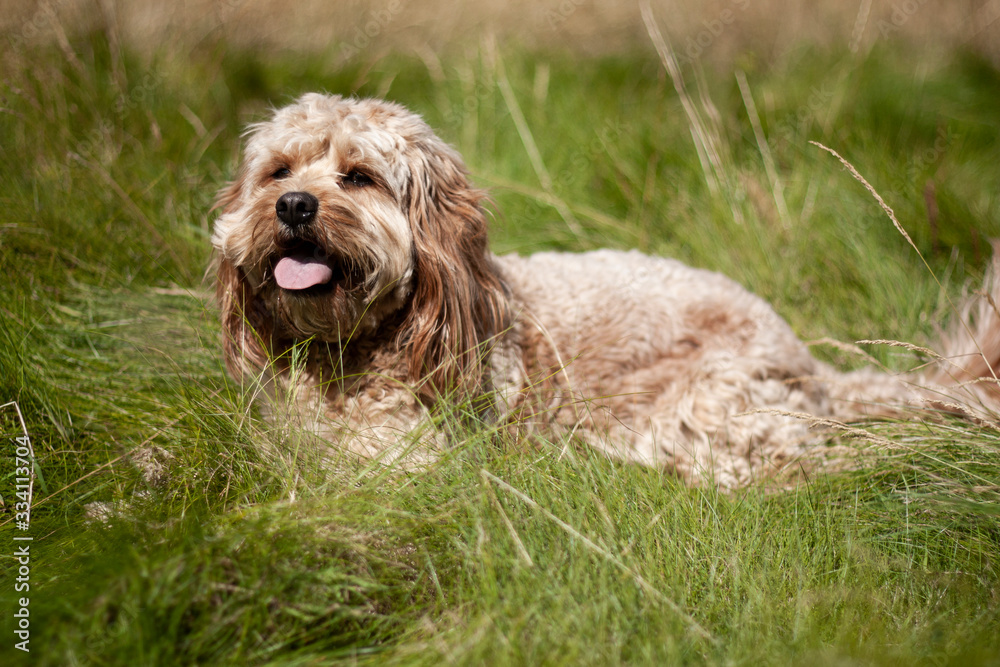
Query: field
pixel 222 540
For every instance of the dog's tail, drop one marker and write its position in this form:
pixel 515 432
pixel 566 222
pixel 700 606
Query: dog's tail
pixel 962 379
pixel 969 368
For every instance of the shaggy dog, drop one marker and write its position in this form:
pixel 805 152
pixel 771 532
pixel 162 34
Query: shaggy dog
pixel 356 285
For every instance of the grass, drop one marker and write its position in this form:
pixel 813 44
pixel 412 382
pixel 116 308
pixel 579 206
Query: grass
pixel 244 554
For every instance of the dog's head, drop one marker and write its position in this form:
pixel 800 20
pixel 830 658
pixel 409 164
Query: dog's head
pixel 350 220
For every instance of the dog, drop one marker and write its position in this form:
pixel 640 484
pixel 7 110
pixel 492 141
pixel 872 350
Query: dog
pixel 355 284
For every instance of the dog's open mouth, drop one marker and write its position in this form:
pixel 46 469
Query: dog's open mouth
pixel 306 268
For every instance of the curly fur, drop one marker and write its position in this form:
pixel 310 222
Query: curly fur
pixel 642 357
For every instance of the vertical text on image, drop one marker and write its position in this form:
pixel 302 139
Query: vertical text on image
pixel 24 477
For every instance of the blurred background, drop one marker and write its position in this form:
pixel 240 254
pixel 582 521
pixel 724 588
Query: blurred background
pixel 765 28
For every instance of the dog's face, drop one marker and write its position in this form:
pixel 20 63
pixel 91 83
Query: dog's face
pixel 317 220
pixel 345 215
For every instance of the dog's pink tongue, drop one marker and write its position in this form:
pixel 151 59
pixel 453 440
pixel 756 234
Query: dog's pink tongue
pixel 301 272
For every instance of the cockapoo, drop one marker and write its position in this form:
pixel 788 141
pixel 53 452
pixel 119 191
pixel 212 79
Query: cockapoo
pixel 352 234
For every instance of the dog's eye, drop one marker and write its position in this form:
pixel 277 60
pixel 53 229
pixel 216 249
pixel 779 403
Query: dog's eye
pixel 284 172
pixel 357 178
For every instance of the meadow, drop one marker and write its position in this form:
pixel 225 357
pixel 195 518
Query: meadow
pixel 171 525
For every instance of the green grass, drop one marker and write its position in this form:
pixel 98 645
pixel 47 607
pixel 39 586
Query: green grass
pixel 246 554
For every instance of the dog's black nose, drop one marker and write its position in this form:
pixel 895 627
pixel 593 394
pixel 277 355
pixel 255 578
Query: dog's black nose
pixel 296 208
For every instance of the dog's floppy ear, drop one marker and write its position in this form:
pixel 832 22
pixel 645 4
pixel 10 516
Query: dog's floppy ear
pixel 459 303
pixel 244 327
